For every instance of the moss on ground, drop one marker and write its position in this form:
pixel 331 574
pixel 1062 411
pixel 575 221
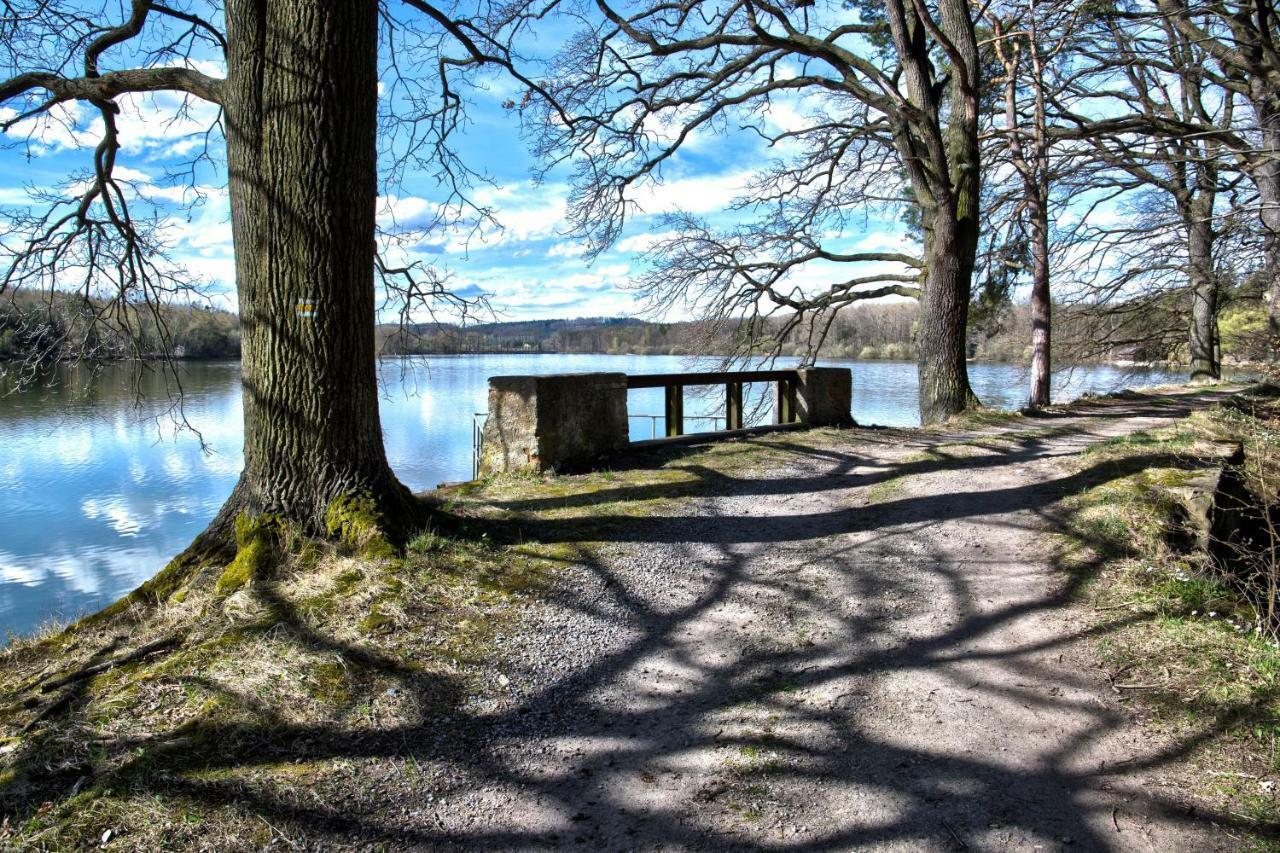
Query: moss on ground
pixel 255 543
pixel 354 520
pixel 978 418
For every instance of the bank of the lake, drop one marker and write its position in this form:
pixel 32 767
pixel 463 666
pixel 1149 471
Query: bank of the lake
pixel 810 639
pixel 98 491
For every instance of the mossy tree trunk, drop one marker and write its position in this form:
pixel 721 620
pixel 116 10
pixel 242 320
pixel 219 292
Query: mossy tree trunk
pixel 300 111
pixel 950 249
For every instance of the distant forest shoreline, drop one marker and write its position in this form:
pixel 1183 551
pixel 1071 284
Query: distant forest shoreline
pixel 62 330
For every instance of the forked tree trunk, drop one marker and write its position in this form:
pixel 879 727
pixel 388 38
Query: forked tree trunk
pixel 941 158
pixel 301 100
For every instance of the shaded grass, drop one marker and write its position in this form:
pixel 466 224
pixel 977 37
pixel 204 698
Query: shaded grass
pixel 333 643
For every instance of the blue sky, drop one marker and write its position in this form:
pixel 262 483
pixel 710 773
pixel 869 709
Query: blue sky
pixel 528 268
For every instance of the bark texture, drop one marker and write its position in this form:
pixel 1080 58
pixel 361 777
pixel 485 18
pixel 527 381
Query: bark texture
pixel 300 101
pixel 1041 306
pixel 944 319
pixel 1203 333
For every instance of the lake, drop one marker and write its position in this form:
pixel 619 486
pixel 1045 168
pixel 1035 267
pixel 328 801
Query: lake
pixel 99 488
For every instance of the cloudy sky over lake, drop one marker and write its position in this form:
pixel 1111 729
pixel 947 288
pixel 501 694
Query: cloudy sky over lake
pixel 528 267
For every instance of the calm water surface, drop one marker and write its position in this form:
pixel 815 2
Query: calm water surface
pixel 98 489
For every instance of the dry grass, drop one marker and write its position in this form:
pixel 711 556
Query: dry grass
pixel 330 647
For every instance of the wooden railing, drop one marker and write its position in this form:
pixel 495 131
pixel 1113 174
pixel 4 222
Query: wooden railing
pixel 784 394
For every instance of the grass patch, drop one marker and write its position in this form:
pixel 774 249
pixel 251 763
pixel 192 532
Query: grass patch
pixel 981 417
pixel 891 487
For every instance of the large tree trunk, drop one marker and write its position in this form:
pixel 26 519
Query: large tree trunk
pixel 1203 338
pixel 950 251
pixel 301 138
pixel 942 163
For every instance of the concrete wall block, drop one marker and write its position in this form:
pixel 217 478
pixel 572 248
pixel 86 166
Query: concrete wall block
pixel 553 423
pixel 825 396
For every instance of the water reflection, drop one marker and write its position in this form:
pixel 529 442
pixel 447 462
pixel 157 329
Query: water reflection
pixel 101 486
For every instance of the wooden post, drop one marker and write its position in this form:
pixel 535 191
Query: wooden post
pixel 675 410
pixel 733 405
pixel 784 401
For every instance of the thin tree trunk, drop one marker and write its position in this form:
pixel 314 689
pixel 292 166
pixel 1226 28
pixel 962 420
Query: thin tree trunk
pixel 301 123
pixel 1038 198
pixel 1041 330
pixel 1267 180
pixel 1203 337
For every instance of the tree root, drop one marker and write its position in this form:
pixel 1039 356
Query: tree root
pixel 85 673
pixel 142 651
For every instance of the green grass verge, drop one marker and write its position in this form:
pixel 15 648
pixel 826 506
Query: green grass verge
pixel 1180 643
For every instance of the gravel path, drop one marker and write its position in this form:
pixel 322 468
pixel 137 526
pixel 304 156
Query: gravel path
pixel 865 646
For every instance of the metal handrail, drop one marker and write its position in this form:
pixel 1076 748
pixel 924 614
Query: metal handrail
pixel 477 441
pixel 653 420
pixel 785 382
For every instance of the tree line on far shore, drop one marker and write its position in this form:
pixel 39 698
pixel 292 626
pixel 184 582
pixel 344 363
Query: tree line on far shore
pixel 34 329
pixel 37 328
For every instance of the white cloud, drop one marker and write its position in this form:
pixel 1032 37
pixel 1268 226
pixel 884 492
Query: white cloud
pixel 66 126
pixel 156 124
pixel 14 196
pixel 405 211
pixel 524 210
pixel 637 243
pixel 703 194
pixel 567 249
pixel 885 241
pixel 164 124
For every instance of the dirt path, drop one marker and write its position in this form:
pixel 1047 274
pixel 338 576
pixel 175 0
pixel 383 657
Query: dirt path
pixel 865 646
